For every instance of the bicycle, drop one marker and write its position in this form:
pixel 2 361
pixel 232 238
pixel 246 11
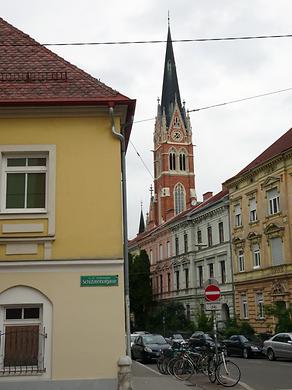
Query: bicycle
pixel 226 372
pixel 189 363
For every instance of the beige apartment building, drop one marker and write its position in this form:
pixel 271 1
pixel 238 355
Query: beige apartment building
pixel 261 218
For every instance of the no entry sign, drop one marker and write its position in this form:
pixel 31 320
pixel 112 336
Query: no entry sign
pixel 212 293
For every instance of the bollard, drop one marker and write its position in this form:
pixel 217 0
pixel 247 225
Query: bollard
pixel 125 373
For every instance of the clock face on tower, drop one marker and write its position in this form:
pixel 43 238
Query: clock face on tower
pixel 176 135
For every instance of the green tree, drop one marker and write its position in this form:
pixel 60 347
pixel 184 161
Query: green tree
pixel 168 318
pixel 204 322
pixel 282 314
pixel 140 288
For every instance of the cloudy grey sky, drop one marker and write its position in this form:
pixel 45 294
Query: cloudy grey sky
pixel 226 138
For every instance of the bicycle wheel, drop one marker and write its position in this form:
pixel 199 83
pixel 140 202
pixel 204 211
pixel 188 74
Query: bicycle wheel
pixel 170 364
pixel 159 364
pixel 183 369
pixel 212 371
pixel 228 373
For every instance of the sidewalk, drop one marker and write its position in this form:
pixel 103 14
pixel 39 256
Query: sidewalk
pixel 145 378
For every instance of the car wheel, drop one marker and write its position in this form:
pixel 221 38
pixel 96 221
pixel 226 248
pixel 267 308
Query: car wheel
pixel 245 353
pixel 270 354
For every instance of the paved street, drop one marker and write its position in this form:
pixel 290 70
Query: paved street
pixel 261 374
pixel 256 374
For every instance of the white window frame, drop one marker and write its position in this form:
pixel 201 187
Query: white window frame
pixel 252 210
pixel 237 214
pixel 48 151
pixel 273 201
pixel 26 170
pixel 240 257
pixel 160 252
pixel 260 305
pixel 256 254
pixel 244 306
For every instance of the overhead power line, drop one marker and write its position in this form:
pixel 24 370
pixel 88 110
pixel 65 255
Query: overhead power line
pixel 208 107
pixel 229 102
pixel 138 154
pixel 242 38
pixel 241 100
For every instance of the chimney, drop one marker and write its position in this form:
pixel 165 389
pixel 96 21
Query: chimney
pixel 207 195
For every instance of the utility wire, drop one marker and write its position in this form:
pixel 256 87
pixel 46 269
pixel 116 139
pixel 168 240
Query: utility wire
pixel 142 160
pixel 208 107
pixel 241 100
pixel 157 41
pixel 229 102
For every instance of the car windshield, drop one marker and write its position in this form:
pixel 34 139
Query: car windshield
pixel 177 336
pixel 154 339
pixel 243 339
pixel 208 337
pixel 133 338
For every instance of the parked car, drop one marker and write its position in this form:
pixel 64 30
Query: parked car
pixel 200 339
pixel 278 346
pixel 148 347
pixel 133 338
pixel 177 338
pixel 243 346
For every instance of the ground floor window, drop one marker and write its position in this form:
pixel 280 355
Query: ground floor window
pixel 23 340
pixel 25 332
pixel 244 306
pixel 260 305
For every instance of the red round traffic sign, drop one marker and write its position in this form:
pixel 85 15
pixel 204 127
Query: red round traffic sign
pixel 212 293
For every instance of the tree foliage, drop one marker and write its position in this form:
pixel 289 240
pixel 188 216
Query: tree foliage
pixel 140 288
pixel 235 326
pixel 168 318
pixel 282 314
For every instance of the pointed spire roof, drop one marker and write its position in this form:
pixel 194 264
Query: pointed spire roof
pixel 142 223
pixel 31 74
pixel 170 88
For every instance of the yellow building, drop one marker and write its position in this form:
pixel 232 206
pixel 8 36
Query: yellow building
pixel 61 231
pixel 261 220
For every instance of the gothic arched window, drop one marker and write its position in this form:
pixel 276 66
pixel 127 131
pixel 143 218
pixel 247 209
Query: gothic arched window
pixel 172 161
pixel 179 199
pixel 182 161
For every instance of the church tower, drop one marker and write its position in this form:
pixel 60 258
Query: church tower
pixel 174 181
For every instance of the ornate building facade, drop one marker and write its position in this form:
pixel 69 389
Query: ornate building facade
pixel 261 220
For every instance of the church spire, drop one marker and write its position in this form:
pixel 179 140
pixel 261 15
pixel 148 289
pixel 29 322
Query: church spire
pixel 142 223
pixel 170 88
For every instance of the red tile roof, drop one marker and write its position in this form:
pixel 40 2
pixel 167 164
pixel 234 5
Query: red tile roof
pixel 29 72
pixel 184 215
pixel 278 147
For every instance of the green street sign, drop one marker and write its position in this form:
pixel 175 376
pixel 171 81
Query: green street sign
pixel 99 280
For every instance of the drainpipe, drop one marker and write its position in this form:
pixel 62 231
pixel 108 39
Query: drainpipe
pixel 125 230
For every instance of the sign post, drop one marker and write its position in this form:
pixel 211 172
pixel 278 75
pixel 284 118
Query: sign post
pixel 212 302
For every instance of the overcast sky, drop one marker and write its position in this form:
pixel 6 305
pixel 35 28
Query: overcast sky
pixel 226 138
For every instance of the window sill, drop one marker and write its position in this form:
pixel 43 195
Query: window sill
pixel 269 216
pixel 24 211
pixel 252 223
